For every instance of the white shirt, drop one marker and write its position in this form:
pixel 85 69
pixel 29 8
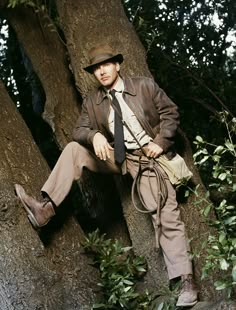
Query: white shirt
pixel 130 119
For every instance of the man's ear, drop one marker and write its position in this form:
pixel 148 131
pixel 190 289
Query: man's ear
pixel 117 66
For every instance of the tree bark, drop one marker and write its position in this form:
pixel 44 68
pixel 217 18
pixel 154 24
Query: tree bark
pixel 46 271
pixel 89 23
pixel 47 54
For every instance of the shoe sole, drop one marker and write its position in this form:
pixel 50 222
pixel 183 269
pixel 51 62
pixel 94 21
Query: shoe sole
pixel 30 215
pixel 187 304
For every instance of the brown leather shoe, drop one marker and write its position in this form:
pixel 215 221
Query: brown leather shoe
pixel 188 293
pixel 39 213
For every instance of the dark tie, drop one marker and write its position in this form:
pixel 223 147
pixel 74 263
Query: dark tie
pixel 119 144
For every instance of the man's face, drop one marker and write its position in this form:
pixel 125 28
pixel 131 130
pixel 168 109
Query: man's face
pixel 107 74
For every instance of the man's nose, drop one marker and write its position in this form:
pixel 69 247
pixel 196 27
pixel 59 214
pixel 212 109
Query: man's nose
pixel 101 69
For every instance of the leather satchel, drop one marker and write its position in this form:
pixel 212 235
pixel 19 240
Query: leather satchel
pixel 176 169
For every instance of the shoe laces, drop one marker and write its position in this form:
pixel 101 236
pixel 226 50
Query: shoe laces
pixel 45 201
pixel 187 285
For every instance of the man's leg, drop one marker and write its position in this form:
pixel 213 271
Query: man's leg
pixel 173 238
pixel 68 168
pixel 172 231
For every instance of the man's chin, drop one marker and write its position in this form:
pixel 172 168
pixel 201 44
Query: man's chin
pixel 106 84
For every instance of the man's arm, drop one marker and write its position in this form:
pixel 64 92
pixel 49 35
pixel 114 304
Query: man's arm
pixel 169 118
pixel 83 132
pixel 85 135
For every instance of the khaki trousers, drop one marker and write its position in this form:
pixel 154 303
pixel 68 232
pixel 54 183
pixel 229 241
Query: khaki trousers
pixel 69 168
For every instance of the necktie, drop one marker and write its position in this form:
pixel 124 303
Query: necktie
pixel 119 144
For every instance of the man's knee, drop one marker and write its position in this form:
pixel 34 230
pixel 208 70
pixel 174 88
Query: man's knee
pixel 72 145
pixel 75 147
pixel 78 151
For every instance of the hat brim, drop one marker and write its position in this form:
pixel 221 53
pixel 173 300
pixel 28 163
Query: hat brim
pixel 117 58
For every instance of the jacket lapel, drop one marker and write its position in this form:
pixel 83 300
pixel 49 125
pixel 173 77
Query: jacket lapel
pixel 102 110
pixel 130 97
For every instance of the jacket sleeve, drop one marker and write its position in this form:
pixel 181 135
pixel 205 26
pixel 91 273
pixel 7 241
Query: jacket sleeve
pixel 83 132
pixel 169 118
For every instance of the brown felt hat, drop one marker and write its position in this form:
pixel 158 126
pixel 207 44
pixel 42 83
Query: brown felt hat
pixel 102 54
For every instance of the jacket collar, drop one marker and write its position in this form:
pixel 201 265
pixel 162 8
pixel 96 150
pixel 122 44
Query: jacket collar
pixel 128 89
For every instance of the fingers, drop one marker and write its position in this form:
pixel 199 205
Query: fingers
pixel 153 150
pixel 101 147
pixel 102 152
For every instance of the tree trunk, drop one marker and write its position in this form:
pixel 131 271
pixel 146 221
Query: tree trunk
pixel 47 54
pixel 62 104
pixel 88 23
pixel 46 271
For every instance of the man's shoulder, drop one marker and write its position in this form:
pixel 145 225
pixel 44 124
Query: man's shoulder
pixel 139 82
pixel 94 94
pixel 140 79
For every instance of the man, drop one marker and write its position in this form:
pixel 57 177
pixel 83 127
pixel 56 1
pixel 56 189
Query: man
pixel 103 144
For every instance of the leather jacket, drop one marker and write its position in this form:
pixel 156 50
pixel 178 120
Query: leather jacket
pixel 155 111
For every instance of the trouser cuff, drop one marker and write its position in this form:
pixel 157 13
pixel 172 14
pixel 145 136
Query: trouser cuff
pixel 179 269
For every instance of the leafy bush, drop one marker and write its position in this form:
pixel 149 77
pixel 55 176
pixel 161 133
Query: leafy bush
pixel 221 161
pixel 120 271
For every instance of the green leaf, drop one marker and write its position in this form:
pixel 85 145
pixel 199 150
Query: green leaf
pixel 219 149
pixel 222 176
pixel 229 146
pixel 205 158
pixel 199 139
pixel 220 285
pixel 128 282
pixel 141 269
pixel 234 187
pixel 216 158
pixel 207 210
pixel 126 289
pixel 221 237
pixel 224 265
pixel 126 249
pixel 222 204
pixel 230 220
pixel 99 306
pixel 160 306
pixel 234 273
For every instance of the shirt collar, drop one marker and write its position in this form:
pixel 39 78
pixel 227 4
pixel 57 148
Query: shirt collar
pixel 125 86
pixel 119 87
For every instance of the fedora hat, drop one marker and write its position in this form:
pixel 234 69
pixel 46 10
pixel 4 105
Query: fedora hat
pixel 102 54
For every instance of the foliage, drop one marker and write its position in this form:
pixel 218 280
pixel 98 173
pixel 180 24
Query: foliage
pixel 191 54
pixel 46 10
pixel 120 271
pixel 38 6
pixel 221 247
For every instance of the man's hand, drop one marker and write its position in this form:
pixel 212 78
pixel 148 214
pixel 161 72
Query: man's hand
pixel 153 150
pixel 101 146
